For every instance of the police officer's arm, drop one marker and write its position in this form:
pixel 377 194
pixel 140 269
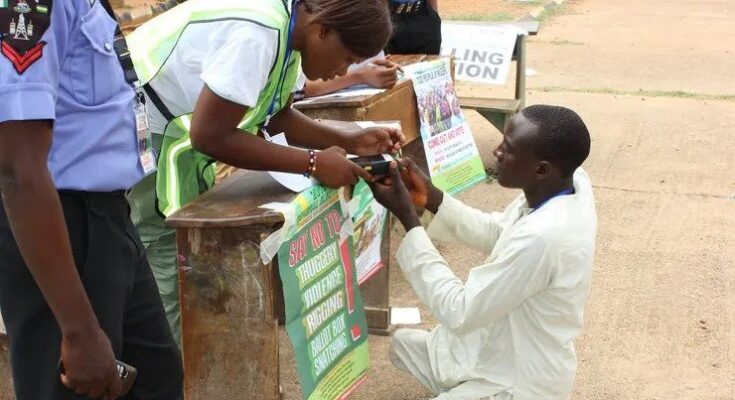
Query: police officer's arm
pixel 36 218
pixel 29 89
pixel 305 131
pixel 434 4
pixel 34 212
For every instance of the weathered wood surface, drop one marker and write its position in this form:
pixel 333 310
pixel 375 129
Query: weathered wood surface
pixel 229 305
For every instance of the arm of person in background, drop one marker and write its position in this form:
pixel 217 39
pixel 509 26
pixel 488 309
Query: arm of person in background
pixel 492 290
pixel 215 132
pixel 36 218
pixel 380 74
pixel 434 4
pixel 304 131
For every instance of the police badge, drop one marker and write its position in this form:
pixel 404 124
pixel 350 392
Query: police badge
pixel 22 25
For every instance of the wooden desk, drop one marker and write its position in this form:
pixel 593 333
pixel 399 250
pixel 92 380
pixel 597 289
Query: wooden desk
pixel 231 303
pixel 397 103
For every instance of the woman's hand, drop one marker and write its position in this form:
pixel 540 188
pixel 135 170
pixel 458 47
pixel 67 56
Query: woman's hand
pixel 334 170
pixel 376 140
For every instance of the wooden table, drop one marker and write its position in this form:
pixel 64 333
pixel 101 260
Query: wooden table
pixel 397 103
pixel 231 303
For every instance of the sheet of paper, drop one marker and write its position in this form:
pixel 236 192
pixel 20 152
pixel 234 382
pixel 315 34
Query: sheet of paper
pixel 293 182
pixel 405 316
pixel 345 93
pixel 370 124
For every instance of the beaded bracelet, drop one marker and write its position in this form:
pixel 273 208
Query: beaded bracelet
pixel 311 169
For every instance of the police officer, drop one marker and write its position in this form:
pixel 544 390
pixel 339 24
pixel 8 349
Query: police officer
pixel 75 285
pixel 417 27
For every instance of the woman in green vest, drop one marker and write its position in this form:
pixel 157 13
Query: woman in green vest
pixel 216 74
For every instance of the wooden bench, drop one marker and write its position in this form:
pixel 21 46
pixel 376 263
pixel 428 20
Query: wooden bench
pixel 497 111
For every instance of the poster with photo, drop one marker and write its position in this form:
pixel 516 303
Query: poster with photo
pixel 451 153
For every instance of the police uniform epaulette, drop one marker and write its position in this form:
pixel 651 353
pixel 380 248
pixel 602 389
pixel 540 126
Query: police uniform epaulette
pixel 22 25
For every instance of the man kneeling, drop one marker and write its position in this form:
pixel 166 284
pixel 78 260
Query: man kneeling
pixel 508 331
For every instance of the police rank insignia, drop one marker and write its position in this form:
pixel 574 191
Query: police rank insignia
pixel 22 24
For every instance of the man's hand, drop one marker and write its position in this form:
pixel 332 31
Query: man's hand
pixel 334 170
pixel 423 193
pixel 376 140
pixel 381 74
pixel 392 193
pixel 89 365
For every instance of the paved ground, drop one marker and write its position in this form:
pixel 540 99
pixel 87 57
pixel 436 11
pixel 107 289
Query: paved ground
pixel 660 323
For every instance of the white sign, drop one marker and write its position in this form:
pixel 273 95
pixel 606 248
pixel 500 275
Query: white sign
pixel 482 53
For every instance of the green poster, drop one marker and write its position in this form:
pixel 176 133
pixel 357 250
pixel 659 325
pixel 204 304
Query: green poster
pixel 451 154
pixel 325 317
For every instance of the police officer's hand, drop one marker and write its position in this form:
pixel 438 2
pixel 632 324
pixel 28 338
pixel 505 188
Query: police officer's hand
pixel 334 170
pixel 376 140
pixel 89 365
pixel 381 74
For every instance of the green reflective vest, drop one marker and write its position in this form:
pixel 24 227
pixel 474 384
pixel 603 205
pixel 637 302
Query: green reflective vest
pixel 184 173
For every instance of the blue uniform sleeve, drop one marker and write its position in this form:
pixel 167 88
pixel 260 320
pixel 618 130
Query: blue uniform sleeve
pixel 33 49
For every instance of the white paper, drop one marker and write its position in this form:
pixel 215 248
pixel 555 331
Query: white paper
pixel 293 182
pixel 482 53
pixel 370 124
pixel 405 316
pixel 345 93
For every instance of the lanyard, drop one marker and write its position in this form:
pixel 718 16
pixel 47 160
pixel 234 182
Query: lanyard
pixel 287 59
pixel 146 153
pixel 562 193
pixel 121 49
